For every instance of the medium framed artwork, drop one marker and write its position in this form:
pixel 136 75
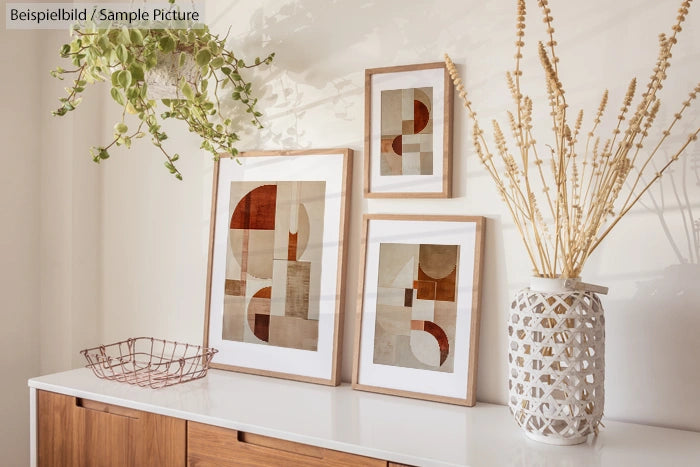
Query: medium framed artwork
pixel 408 132
pixel 275 283
pixel 417 331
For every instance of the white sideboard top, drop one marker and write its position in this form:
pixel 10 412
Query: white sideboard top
pixel 397 429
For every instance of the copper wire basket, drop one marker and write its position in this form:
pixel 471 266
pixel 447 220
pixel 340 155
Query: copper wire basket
pixel 149 362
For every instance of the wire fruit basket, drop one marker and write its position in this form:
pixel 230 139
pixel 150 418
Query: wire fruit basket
pixel 149 362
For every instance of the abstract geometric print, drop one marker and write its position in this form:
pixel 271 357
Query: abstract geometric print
pixel 273 263
pixel 416 306
pixel 407 132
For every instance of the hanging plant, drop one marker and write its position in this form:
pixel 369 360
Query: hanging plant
pixel 192 65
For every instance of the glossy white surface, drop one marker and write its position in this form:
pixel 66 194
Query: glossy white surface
pixel 398 429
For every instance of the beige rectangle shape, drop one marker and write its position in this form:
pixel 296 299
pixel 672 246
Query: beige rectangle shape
pixel 279 288
pixel 297 297
pixel 391 296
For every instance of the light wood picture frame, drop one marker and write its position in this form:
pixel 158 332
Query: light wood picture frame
pixel 408 132
pixel 417 320
pixel 277 254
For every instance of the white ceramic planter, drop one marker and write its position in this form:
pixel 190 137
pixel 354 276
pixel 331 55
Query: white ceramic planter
pixel 163 79
pixel 556 361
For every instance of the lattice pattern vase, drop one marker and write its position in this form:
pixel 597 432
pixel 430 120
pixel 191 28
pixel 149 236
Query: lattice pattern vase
pixel 556 362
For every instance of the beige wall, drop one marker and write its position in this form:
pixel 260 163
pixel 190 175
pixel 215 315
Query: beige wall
pixel 70 218
pixel 93 254
pixel 154 232
pixel 51 221
pixel 19 242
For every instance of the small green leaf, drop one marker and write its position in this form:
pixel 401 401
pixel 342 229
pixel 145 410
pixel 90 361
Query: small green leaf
pixel 203 85
pixel 166 44
pixel 203 57
pixel 121 128
pixel 187 91
pixel 117 96
pixel 126 36
pixel 104 44
pixel 213 47
pixel 137 72
pixel 115 78
pixel 183 58
pixel 65 50
pixel 150 60
pixel 124 78
pixel 122 53
pixel 103 154
pixel 136 36
pixel 217 62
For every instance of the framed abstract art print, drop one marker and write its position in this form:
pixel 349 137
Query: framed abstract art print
pixel 417 329
pixel 408 132
pixel 276 263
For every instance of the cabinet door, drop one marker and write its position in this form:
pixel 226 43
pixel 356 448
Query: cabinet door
pixel 210 446
pixel 80 432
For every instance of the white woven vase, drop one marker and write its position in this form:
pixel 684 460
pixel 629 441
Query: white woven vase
pixel 556 362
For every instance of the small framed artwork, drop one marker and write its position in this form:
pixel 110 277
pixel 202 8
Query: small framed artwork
pixel 408 132
pixel 275 283
pixel 417 330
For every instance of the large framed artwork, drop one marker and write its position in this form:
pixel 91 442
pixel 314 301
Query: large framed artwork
pixel 417 330
pixel 276 263
pixel 408 132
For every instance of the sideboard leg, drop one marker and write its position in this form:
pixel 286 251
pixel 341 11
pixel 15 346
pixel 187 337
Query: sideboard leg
pixel 32 428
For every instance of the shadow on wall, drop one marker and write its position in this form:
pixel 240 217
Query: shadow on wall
pixel 662 318
pixel 659 366
pixel 323 47
pixel 684 182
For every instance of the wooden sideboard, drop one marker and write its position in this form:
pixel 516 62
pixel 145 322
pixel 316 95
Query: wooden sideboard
pixel 73 431
pixel 236 419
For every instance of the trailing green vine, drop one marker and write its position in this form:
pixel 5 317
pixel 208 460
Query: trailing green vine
pixel 126 56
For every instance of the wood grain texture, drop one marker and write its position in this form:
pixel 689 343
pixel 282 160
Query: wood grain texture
pixel 342 262
pixel 211 446
pixel 79 432
pixel 448 117
pixel 210 253
pixel 476 310
pixel 470 399
pixel 334 376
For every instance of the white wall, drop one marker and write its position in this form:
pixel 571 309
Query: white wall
pixel 50 276
pixel 19 242
pixel 135 248
pixel 70 218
